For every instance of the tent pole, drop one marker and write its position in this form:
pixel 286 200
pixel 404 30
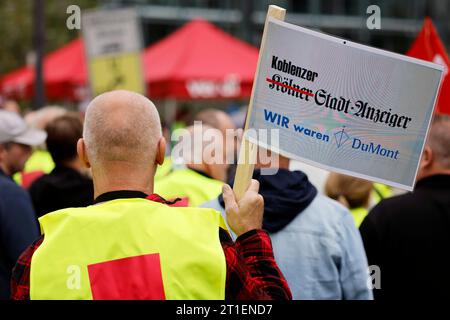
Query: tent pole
pixel 38 39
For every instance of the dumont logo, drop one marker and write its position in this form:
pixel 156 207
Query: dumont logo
pixel 341 137
pixel 229 87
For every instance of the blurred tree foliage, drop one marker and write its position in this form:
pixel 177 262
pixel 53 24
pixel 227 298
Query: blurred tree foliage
pixel 16 29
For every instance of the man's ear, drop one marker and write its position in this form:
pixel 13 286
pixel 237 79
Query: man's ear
pixel 81 149
pixel 427 157
pixel 160 151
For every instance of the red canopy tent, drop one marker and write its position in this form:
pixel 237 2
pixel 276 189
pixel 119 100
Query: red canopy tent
pixel 198 61
pixel 64 72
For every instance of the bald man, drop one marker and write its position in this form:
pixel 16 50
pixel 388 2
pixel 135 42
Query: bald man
pixel 201 171
pixel 130 244
pixel 408 237
pixel 220 120
pixel 216 118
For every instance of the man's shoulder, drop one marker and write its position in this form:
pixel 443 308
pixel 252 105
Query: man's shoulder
pixel 39 183
pixel 396 204
pixel 323 207
pixel 395 210
pixel 145 205
pixel 20 277
pixel 323 216
pixel 9 188
pixel 6 183
pixel 202 210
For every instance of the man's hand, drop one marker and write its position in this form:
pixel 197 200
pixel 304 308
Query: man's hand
pixel 247 214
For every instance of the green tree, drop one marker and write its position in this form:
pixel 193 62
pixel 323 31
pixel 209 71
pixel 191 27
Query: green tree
pixel 16 29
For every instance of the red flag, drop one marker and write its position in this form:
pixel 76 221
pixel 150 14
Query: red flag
pixel 428 46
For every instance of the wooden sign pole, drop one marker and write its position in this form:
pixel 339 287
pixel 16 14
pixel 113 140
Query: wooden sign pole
pixel 248 151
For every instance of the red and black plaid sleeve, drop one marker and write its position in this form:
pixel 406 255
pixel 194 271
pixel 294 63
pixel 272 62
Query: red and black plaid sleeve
pixel 252 273
pixel 20 281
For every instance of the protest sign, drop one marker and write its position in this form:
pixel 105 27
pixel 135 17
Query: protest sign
pixel 343 106
pixel 113 43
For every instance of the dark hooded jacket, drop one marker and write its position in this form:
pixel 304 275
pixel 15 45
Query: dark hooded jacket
pixel 286 194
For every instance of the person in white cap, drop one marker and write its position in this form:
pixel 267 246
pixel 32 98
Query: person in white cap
pixel 18 225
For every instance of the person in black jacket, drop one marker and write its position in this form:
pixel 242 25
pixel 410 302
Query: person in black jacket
pixel 66 186
pixel 18 225
pixel 408 236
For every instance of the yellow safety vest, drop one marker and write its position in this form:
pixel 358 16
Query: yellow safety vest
pixel 164 169
pixel 380 192
pixel 187 183
pixel 40 160
pixel 358 215
pixel 129 249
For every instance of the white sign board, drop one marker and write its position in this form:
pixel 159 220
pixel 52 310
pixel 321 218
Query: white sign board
pixel 342 106
pixel 111 32
pixel 113 43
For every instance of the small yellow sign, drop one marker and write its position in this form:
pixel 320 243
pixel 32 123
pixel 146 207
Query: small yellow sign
pixel 118 71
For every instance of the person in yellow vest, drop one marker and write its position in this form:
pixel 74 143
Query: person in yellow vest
pixel 204 167
pixel 217 119
pixel 204 180
pixel 354 193
pixel 380 192
pixel 40 162
pixel 130 244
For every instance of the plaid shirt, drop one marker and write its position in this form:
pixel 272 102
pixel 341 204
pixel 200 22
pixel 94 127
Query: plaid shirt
pixel 252 273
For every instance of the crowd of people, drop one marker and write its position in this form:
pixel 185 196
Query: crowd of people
pixel 100 206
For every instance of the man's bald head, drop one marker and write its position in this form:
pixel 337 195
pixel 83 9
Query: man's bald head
pixel 436 153
pixel 217 119
pixel 220 120
pixel 200 147
pixel 121 126
pixel 439 140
